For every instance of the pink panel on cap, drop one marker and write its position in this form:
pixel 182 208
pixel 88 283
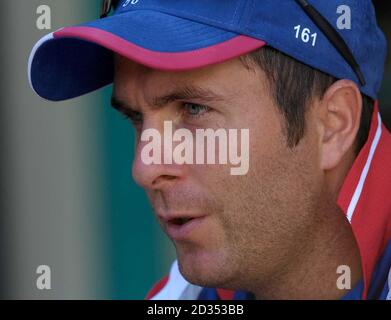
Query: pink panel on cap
pixel 170 61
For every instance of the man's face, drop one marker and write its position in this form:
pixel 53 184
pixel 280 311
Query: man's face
pixel 251 225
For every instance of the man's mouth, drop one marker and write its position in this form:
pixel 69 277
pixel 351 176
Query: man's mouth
pixel 181 227
pixel 180 221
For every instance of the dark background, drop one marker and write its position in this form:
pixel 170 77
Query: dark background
pixel 383 11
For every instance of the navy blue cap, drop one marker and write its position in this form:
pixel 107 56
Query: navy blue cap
pixel 176 35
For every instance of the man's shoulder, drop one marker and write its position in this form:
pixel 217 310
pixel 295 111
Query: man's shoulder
pixel 380 288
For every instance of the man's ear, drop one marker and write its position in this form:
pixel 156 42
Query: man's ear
pixel 340 117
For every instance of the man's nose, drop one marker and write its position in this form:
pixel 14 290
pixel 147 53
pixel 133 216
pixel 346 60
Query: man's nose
pixel 156 175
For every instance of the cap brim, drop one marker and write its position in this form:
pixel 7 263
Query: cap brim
pixel 76 60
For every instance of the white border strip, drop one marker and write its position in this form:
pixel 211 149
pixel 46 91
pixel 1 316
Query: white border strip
pixel 177 288
pixel 357 192
pixel 40 42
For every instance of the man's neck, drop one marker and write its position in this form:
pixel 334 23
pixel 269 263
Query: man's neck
pixel 314 273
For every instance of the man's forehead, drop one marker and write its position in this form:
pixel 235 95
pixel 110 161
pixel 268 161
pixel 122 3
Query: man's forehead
pixel 215 82
pixel 130 68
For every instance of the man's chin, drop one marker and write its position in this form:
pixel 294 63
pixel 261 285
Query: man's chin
pixel 204 271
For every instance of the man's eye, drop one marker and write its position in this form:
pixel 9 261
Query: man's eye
pixel 134 116
pixel 195 110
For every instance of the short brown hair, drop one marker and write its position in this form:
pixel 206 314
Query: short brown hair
pixel 294 85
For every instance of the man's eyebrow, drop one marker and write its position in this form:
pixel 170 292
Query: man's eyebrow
pixel 187 93
pixel 179 94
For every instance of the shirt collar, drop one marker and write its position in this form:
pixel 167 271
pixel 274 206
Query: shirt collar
pixel 364 197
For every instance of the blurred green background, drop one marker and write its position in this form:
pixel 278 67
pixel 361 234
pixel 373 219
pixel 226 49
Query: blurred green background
pixel 67 197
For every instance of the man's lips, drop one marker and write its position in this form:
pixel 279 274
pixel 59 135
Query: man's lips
pixel 180 226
